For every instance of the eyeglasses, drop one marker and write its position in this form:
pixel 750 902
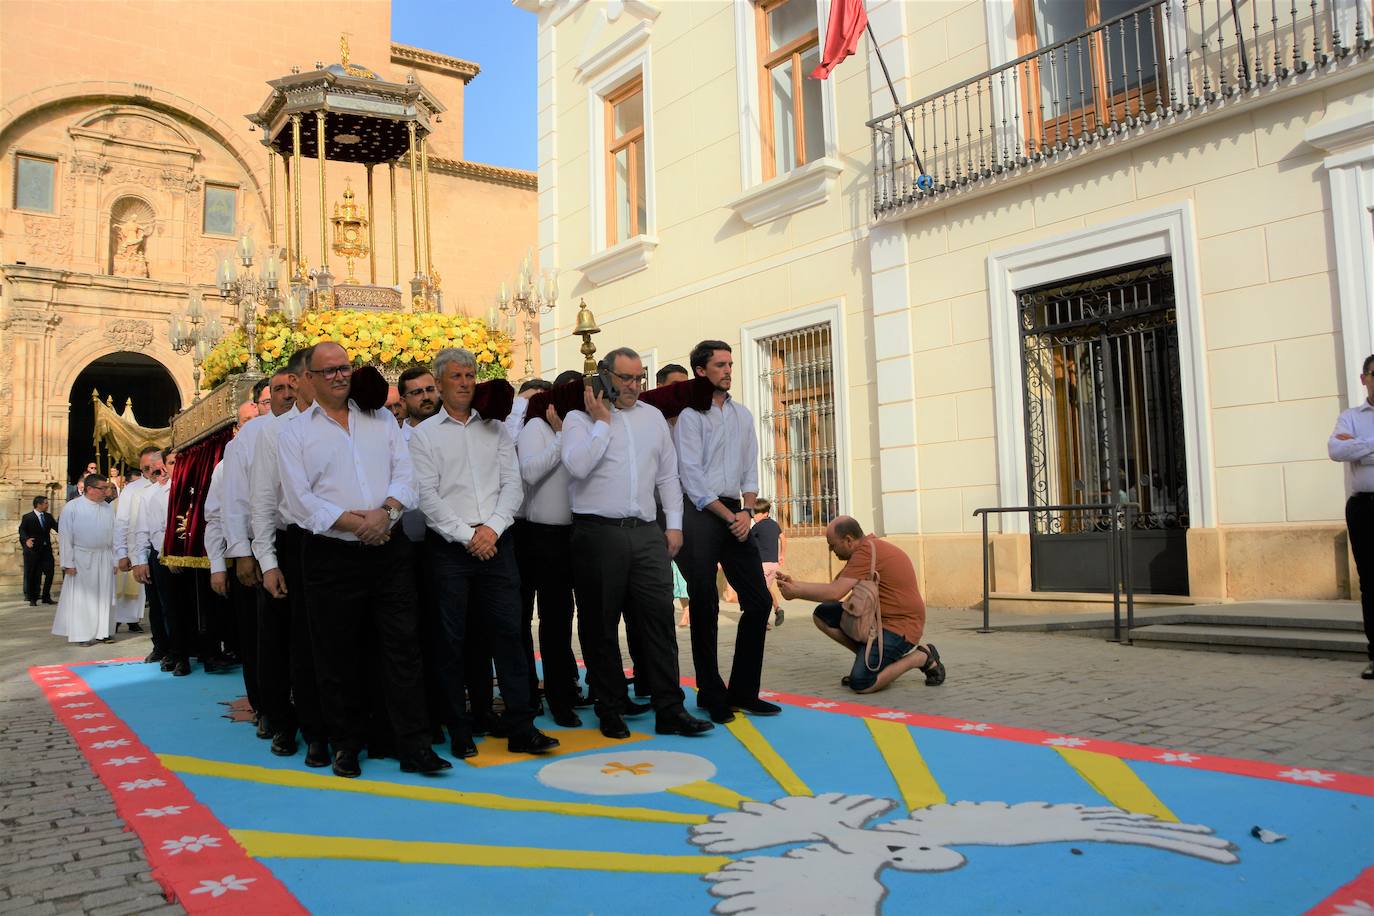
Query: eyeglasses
pixel 343 371
pixel 627 378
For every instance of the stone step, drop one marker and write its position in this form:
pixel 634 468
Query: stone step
pixel 1263 639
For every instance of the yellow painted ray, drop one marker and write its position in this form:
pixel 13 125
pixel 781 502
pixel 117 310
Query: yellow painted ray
pixel 1117 782
pixel 914 779
pixel 263 844
pixel 769 759
pixel 711 793
pixel 296 779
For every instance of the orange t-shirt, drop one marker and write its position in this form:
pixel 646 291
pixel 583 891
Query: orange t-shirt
pixel 904 611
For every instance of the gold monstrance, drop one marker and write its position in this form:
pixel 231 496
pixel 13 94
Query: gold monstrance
pixel 350 231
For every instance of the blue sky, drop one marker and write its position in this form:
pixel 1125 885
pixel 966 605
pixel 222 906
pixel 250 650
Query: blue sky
pixel 500 103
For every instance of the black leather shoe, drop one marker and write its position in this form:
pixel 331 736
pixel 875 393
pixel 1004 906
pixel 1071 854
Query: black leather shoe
pixel 1368 673
pixel 156 655
pixel 487 723
pixel 49 601
pixel 758 707
pixel 182 669
pixel 346 764
pixel 425 762
pixel 637 709
pixel 582 700
pixel 463 747
pixel 284 745
pixel 612 726
pixel 681 723
pixel 721 715
pixel 135 628
pixel 317 754
pixel 211 666
pixel 264 730
pixel 532 742
pixel 168 663
pixel 565 718
pixel 436 735
pixel 33 604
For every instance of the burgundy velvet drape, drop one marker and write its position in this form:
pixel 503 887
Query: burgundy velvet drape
pixel 186 503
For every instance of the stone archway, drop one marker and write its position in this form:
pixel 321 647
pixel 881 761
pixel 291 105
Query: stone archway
pixel 123 376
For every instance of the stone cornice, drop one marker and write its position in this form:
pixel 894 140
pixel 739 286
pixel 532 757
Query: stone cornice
pixel 480 171
pixel 430 60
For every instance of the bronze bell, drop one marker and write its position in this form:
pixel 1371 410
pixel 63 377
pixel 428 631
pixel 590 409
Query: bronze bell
pixel 586 323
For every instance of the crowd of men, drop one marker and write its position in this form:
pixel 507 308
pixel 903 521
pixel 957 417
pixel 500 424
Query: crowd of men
pixel 369 569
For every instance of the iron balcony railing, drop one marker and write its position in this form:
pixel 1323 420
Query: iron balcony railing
pixel 1162 61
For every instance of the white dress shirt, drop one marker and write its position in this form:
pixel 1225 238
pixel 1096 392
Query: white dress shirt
pixel 151 527
pixel 216 542
pixel 516 418
pixel 236 492
pixel 717 452
pixel 1356 454
pixel 466 475
pixel 616 466
pixel 413 520
pixel 126 514
pixel 266 508
pixel 327 470
pixel 540 451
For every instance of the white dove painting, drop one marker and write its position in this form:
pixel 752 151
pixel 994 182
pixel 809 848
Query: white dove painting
pixel 839 870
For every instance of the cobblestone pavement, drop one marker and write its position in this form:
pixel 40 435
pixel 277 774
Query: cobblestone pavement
pixel 63 849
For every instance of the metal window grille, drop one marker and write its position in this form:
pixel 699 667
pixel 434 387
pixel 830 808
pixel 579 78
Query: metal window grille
pixel 797 428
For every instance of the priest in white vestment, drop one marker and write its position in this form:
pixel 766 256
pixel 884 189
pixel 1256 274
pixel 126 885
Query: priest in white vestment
pixel 129 597
pixel 86 609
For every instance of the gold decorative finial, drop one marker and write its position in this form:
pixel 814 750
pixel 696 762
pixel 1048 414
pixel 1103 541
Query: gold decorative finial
pixel 343 48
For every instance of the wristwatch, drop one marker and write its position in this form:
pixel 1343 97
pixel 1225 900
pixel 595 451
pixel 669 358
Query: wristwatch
pixel 393 513
pixel 749 510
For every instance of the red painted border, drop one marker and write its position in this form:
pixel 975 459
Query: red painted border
pixel 1356 897
pixel 193 857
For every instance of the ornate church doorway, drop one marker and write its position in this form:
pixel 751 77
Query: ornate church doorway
pixel 123 376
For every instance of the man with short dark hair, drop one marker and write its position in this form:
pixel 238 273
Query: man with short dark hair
pixel 671 374
pixel 899 599
pixel 718 453
pixel 1352 444
pixel 262 400
pixel 86 612
pixel 35 534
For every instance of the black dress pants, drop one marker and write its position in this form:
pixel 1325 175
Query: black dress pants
pixel 489 590
pixel 706 542
pixel 620 567
pixel 1359 522
pixel 439 670
pixel 357 595
pixel 545 559
pixel 242 627
pixel 38 572
pixel 159 606
pixel 305 691
pixel 176 592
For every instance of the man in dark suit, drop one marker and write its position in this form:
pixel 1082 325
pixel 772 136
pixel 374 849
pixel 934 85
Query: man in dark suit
pixel 35 533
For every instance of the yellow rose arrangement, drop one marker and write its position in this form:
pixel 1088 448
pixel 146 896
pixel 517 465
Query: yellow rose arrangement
pixel 387 340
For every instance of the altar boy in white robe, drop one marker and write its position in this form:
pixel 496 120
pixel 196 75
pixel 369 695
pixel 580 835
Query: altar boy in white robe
pixel 86 609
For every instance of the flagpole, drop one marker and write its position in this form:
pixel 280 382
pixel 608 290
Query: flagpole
pixel 906 128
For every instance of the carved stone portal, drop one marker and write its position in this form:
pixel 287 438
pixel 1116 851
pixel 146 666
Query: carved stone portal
pixel 130 334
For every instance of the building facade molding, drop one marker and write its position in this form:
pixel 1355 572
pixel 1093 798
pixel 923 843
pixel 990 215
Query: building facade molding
pixel 802 188
pixel 422 59
pixel 481 171
pixel 630 256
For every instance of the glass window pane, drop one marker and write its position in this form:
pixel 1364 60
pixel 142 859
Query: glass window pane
pixel 629 114
pixel 621 168
pixel 789 21
pixel 220 206
pixel 813 115
pixel 1131 46
pixel 33 184
pixel 1056 20
pixel 641 199
pixel 784 119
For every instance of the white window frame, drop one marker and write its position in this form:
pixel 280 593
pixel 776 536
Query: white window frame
pixel 753 396
pixel 604 72
pixel 1166 232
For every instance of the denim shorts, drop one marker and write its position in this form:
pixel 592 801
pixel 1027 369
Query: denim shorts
pixel 860 675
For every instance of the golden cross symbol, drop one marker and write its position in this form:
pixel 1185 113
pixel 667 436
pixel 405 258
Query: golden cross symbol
pixel 634 769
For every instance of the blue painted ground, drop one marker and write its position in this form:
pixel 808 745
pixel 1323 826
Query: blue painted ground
pixel 1328 831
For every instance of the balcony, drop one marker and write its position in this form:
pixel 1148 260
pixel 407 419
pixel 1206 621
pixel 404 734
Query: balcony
pixel 1157 67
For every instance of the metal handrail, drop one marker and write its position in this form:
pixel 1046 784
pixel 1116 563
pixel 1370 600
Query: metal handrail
pixel 1120 553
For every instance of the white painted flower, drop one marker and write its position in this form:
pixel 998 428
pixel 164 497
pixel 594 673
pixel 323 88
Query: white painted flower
pixel 55 677
pixel 190 844
pixel 223 885
pixel 1355 908
pixel 891 715
pixel 134 784
pixel 123 761
pixel 89 715
pixel 1171 757
pixel 112 743
pixel 74 693
pixel 76 705
pixel 822 704
pixel 1316 776
pixel 165 811
pixel 765 694
pixel 1061 741
pixel 94 729
pixel 973 727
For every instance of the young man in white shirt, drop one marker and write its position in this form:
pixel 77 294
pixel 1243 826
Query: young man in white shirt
pixel 618 452
pixel 165 600
pixel 1352 443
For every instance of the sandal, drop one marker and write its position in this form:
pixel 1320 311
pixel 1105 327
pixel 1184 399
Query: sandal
pixel 933 669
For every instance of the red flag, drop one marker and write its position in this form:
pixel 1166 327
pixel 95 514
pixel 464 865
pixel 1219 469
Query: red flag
pixel 847 22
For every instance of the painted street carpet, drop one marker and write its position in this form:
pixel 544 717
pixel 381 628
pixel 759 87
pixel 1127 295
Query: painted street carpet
pixel 830 808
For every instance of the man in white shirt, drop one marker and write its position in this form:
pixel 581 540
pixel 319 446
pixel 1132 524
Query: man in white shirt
pixel 1352 443
pixel 152 471
pixel 243 576
pixel 130 596
pixel 145 550
pixel 618 453
pixel 543 550
pixel 346 474
pixel 286 662
pixel 85 610
pixel 717 459
pixel 468 482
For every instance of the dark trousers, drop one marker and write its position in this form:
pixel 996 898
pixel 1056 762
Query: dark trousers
pixel 176 594
pixel 241 633
pixel 469 588
pixel 1359 522
pixel 159 606
pixel 305 691
pixel 543 553
pixel 357 595
pixel 624 571
pixel 439 671
pixel 38 571
pixel 706 542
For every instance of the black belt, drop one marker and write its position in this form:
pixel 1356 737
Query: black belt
pixel 731 502
pixel 632 522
